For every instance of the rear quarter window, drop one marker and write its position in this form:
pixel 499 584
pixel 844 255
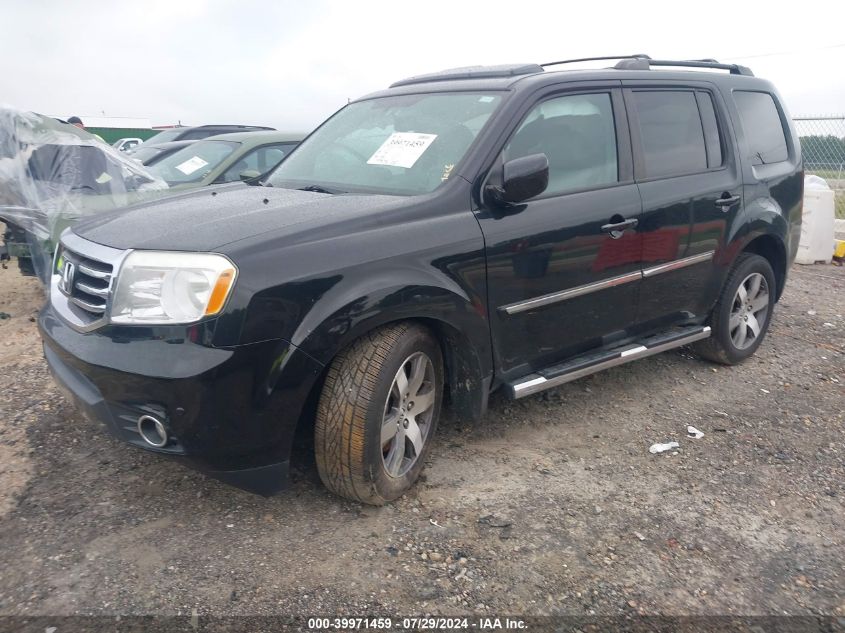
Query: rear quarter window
pixel 762 126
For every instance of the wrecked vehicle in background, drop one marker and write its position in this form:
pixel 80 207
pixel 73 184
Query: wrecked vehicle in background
pixel 51 175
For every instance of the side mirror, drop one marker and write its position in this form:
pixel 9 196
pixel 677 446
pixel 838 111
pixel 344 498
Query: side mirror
pixel 249 174
pixel 522 178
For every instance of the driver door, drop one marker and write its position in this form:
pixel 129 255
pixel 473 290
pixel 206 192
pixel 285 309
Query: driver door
pixel 559 281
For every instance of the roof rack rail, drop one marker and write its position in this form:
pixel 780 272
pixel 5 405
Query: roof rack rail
pixel 595 59
pixel 644 62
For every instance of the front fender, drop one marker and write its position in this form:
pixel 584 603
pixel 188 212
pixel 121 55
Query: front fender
pixel 458 321
pixel 369 298
pixel 322 287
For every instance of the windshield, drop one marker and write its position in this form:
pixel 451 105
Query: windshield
pixel 403 145
pixel 143 154
pixel 164 137
pixel 193 163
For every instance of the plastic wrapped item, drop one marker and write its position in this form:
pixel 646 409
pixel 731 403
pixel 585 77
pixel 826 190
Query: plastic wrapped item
pixel 52 175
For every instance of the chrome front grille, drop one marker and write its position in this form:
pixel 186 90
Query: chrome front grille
pixel 83 281
pixel 86 282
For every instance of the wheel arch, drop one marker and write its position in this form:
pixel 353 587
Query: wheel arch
pixel 468 374
pixel 467 382
pixel 773 250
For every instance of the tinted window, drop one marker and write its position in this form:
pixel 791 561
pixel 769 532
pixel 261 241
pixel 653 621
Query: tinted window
pixel 762 126
pixel 712 138
pixel 577 135
pixel 671 133
pixel 165 137
pixel 194 135
pixel 143 154
pixel 261 160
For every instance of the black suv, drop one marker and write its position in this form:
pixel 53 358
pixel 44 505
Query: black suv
pixel 485 228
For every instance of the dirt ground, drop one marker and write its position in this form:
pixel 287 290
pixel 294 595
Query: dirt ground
pixel 552 505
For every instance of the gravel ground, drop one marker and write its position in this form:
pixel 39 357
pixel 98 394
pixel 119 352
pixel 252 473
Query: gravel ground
pixel 552 505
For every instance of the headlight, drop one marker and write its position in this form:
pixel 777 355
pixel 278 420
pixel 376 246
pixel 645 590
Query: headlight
pixel 156 287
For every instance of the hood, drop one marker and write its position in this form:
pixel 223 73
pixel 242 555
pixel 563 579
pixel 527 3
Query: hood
pixel 211 217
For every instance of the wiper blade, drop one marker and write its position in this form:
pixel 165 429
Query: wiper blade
pixel 320 189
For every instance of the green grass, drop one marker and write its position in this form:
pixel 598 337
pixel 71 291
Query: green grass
pixel 839 205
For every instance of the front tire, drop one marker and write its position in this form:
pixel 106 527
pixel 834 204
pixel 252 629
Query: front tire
pixel 378 412
pixel 741 318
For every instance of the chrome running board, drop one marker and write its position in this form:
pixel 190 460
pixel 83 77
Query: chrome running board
pixel 591 363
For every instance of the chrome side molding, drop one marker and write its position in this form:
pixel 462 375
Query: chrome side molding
pixel 678 264
pixel 579 291
pixel 563 295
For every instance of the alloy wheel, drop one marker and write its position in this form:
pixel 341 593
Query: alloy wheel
pixel 408 412
pixel 750 311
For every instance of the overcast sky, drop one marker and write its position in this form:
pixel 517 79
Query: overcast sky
pixel 291 64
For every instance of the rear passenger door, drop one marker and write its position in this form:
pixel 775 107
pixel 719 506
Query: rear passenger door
pixel 686 169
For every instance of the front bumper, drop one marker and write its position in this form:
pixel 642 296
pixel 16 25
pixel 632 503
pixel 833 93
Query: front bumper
pixel 231 413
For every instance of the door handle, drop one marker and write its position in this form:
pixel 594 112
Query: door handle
pixel 726 202
pixel 617 228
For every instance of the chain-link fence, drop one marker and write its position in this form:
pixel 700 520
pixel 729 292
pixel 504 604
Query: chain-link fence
pixel 823 148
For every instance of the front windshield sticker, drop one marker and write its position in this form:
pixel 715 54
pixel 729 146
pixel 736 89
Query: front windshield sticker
pixel 191 165
pixel 402 149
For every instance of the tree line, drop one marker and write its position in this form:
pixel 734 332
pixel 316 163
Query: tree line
pixel 818 149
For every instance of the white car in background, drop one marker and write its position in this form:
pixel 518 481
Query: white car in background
pixel 127 144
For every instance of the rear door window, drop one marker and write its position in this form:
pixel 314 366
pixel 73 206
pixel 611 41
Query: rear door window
pixel 762 126
pixel 577 135
pixel 671 133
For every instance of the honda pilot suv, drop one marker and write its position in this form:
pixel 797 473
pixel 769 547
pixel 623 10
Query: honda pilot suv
pixel 510 227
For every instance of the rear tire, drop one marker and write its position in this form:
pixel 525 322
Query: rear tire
pixel 378 412
pixel 741 318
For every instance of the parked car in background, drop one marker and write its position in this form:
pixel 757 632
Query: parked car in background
pixel 127 144
pixel 149 154
pixel 225 158
pixel 508 227
pixel 202 131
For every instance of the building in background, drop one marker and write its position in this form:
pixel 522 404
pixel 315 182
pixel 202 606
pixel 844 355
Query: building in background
pixel 113 128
